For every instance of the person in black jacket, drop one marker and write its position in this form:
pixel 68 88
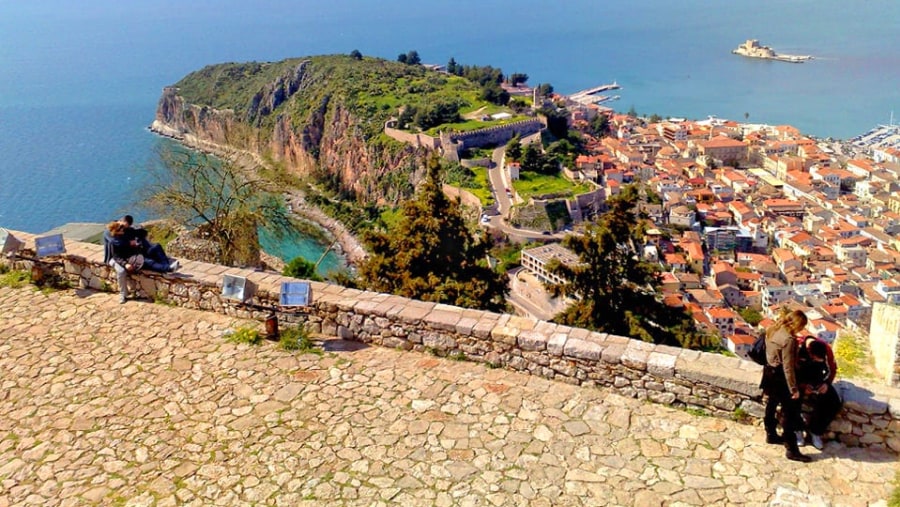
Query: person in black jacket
pixel 155 258
pixel 816 369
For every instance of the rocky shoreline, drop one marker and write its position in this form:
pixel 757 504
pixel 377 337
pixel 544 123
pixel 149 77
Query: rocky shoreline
pixel 350 246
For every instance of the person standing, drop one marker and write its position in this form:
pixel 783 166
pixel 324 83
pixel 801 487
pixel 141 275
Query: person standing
pixel 816 369
pixel 780 382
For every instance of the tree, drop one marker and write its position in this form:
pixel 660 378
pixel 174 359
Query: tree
pixel 545 89
pixel 615 290
pixel 750 316
pixel 600 125
pixel 431 255
pixel 356 55
pixel 224 204
pixel 516 78
pixel 514 148
pixel 557 121
pixel 412 57
pixel 452 66
pixel 402 58
pixel 301 268
pixel 492 93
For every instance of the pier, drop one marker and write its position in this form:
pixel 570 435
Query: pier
pixel 588 96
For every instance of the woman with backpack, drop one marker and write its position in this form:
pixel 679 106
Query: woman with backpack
pixel 779 382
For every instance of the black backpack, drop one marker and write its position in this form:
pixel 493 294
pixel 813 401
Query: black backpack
pixel 758 351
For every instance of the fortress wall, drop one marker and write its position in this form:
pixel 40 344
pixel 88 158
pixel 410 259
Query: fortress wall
pixel 498 135
pixel 429 142
pixel 715 383
pixel 884 340
pixel 467 198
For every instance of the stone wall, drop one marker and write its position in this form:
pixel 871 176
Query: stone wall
pixel 417 140
pixel 884 340
pixel 497 135
pixel 715 383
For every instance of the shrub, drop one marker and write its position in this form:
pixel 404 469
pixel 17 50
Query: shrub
pixel 297 338
pixel 246 335
pixel 15 279
pixel 299 267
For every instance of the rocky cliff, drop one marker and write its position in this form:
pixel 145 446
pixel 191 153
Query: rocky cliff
pixel 314 116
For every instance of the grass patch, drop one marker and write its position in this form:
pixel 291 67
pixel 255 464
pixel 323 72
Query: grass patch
pixel 696 412
pixel 740 415
pixel 297 339
pixel 853 357
pixel 246 335
pixel 532 184
pixel 457 356
pixel 15 279
pixel 894 500
pixel 470 125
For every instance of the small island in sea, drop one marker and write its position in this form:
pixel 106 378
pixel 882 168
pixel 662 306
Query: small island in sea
pixel 752 49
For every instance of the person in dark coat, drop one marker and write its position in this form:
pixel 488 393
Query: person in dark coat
pixel 816 369
pixel 780 382
pixel 155 258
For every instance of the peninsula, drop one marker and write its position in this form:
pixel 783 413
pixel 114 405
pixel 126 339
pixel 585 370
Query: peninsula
pixel 752 49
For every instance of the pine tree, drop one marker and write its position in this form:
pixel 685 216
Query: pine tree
pixel 431 254
pixel 615 289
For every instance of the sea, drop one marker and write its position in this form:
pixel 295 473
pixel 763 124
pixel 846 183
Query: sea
pixel 79 81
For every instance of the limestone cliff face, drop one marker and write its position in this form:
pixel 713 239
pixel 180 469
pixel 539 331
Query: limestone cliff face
pixel 326 141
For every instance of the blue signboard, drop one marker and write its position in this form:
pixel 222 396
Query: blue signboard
pixel 294 294
pixel 49 245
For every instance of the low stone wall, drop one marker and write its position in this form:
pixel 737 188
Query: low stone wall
pixel 715 383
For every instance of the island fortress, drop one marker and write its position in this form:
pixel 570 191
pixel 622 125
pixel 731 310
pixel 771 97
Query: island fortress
pixel 753 49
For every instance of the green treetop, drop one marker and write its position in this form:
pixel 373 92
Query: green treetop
pixel 615 289
pixel 431 254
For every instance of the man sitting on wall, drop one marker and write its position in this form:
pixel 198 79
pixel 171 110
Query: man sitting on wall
pixel 816 369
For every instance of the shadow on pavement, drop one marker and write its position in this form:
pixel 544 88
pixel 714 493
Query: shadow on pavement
pixel 338 345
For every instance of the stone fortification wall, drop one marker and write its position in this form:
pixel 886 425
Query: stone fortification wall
pixel 715 383
pixel 468 199
pixel 884 340
pixel 497 135
pixel 418 140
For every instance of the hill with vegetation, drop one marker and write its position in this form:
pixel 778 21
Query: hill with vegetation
pixel 323 116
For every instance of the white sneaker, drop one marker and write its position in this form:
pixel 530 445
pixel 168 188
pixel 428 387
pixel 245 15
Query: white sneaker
pixel 174 266
pixel 800 440
pixel 817 441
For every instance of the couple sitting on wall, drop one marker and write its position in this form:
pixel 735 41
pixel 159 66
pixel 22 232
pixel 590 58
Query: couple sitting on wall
pixel 127 250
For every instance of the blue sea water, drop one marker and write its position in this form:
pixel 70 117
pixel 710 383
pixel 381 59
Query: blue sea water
pixel 79 81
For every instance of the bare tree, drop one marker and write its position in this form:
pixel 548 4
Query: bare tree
pixel 217 199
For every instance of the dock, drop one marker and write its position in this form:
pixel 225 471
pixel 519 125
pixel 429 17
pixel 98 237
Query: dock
pixel 588 96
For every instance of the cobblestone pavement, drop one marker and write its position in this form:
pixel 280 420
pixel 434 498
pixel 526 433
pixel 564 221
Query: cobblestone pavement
pixel 144 404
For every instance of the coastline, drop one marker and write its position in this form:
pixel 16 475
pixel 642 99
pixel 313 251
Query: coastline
pixel 351 248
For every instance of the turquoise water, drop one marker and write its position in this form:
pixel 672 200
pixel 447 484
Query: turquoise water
pixel 80 80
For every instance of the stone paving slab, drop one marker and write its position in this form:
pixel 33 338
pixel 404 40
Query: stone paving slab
pixel 143 404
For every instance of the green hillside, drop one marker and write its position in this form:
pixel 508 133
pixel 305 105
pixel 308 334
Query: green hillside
pixel 372 89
